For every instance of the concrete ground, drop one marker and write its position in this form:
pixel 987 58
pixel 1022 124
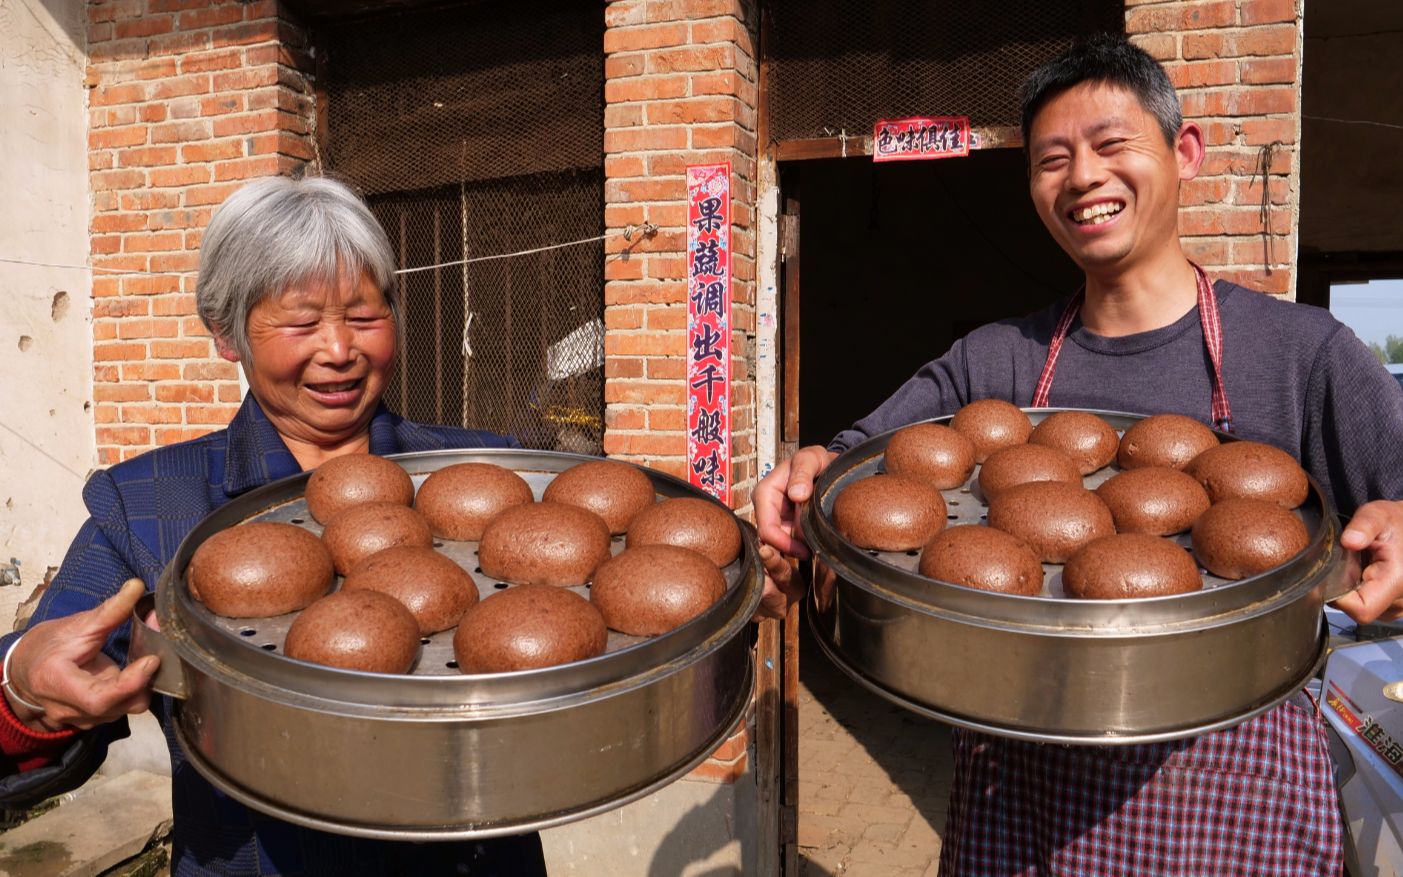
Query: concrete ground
pixel 873 778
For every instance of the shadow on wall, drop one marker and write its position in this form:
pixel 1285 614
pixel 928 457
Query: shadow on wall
pixel 680 853
pixel 70 17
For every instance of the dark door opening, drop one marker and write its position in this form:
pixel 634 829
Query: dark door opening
pixel 899 260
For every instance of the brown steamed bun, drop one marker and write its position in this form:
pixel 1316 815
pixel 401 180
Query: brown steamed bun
pixel 1053 518
pixel 1156 500
pixel 1021 464
pixel 528 627
pixel 355 630
pixel 688 522
pixel 1237 538
pixel 614 491
pixel 459 500
pixel 930 452
pixel 1084 437
pixel 1171 440
pixel 545 543
pixel 983 558
pixel 992 424
pixel 889 513
pixel 1250 470
pixel 352 479
pixel 652 589
pixel 360 531
pixel 434 589
pixel 259 570
pixel 1128 565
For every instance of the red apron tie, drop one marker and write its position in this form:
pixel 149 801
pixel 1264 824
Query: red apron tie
pixel 1212 337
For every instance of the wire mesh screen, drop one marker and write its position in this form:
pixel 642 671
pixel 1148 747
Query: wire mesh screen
pixel 841 66
pixel 477 131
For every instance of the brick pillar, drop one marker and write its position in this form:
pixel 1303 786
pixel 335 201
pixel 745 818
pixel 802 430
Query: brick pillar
pixel 188 98
pixel 680 89
pixel 1237 67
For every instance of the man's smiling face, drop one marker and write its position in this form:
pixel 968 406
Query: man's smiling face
pixel 1102 177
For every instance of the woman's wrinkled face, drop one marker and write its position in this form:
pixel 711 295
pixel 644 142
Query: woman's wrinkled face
pixel 321 354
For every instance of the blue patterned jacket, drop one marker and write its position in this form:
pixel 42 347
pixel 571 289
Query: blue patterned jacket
pixel 140 510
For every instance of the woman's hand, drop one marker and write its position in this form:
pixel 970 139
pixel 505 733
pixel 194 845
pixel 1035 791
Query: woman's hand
pixel 59 665
pixel 1376 530
pixel 777 498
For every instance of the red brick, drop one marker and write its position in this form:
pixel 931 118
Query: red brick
pixel 263 120
pixel 636 140
pixel 123 435
pixel 221 103
pixel 622 367
pixel 1249 191
pixel 720 771
pixel 682 10
pixel 105 222
pixel 183 349
pixel 121 307
pixel 647 444
pixel 616 166
pixel 1160 46
pixel 649 88
pixel 230 393
pixel 104 244
pixel 175 305
pixel 181 132
pixel 156 68
pixel 667 164
pixel 119 263
pixel 623 269
pixel 1259 132
pixel 1267 11
pixel 665 318
pixel 620 14
pixel 211 16
pixel 721 57
pixel 734 746
pixel 121 392
pixel 623 115
pixel 645 392
pixel 245 34
pixel 666 369
pixel 667 268
pixel 213 370
pixel 216 415
pixel 118 351
pixel 175 262
pixel 150 285
pixel 667 419
pixel 623 318
pixel 114 10
pixel 171 436
pixel 145 26
pixel 1205 251
pixel 1264 101
pixel 632 39
pixel 179 42
pixel 183 175
pixel 184 393
pixel 723 30
pixel 616 216
pixel 153 112
pixel 246 78
pixel 150 414
pixel 1269 70
pixel 147 156
pixel 205 62
pixel 184 85
pixel 707 109
pixel 146 243
pixel 214 151
pixel 1277 39
pixel 620 66
pixel 246 168
pixel 1202 73
pixel 1181 16
pixel 129 93
pixel 645 189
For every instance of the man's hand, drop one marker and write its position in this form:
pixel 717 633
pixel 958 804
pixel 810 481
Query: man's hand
pixel 1376 530
pixel 777 498
pixel 778 495
pixel 59 665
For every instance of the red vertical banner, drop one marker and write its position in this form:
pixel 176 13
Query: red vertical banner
pixel 709 328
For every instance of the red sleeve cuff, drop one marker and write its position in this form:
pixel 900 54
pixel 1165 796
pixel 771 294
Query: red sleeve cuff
pixel 25 748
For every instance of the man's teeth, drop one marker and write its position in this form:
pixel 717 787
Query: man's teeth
pixel 340 387
pixel 1097 213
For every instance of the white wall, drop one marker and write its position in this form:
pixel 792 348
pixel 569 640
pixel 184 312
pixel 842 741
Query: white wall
pixel 46 425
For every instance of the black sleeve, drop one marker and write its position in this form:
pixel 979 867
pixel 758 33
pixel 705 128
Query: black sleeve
pixel 941 387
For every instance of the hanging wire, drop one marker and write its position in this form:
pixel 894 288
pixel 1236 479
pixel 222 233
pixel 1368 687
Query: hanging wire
pixel 646 230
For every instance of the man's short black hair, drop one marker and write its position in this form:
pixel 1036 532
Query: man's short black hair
pixel 1108 59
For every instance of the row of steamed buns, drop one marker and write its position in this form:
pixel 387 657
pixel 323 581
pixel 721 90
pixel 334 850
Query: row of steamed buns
pixel 1175 476
pixel 397 589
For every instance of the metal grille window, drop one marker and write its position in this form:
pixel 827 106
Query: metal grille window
pixel 839 67
pixel 477 131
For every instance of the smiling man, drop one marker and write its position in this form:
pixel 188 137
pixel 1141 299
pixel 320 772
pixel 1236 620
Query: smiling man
pixel 1151 333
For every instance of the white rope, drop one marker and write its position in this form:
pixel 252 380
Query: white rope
pixel 647 229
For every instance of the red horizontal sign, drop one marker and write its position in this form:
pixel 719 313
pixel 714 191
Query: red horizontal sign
pixel 920 137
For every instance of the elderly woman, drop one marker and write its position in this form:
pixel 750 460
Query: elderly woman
pixel 295 285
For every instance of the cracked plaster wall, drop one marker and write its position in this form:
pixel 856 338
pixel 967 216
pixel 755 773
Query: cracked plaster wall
pixel 46 423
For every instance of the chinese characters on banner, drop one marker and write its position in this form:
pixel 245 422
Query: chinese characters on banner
pixel 709 329
pixel 920 137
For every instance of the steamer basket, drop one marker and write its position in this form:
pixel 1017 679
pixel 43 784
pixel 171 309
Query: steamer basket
pixel 438 755
pixel 1058 670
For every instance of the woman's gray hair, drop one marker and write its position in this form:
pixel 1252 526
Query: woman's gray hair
pixel 276 232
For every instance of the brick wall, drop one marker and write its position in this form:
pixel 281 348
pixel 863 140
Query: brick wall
pixel 1237 66
pixel 680 89
pixel 187 99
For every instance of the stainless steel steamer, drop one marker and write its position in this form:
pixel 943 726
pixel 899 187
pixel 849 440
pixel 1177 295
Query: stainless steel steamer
pixel 439 755
pixel 1068 671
